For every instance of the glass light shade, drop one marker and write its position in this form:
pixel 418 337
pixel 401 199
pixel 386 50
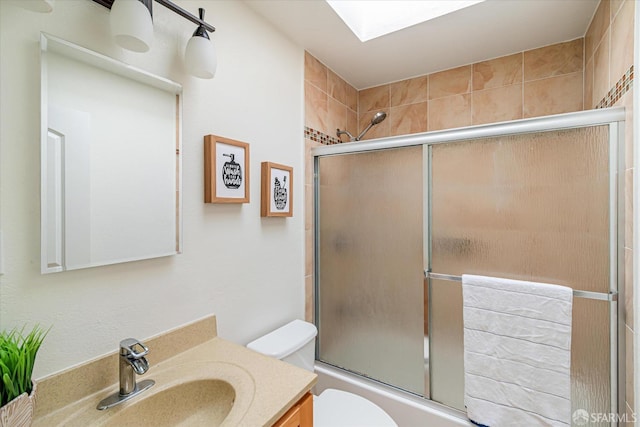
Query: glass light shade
pixel 200 57
pixel 131 25
pixel 42 6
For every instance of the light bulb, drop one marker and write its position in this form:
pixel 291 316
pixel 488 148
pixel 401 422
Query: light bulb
pixel 200 57
pixel 131 25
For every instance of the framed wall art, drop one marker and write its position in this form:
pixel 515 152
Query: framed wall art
pixel 276 190
pixel 226 170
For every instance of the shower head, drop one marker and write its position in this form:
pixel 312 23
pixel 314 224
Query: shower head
pixel 377 118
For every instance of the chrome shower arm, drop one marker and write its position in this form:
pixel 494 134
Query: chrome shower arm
pixel 377 118
pixel 357 138
pixel 345 132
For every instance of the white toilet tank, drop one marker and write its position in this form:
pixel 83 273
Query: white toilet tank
pixel 293 343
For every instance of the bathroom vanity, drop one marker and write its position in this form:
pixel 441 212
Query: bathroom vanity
pixel 300 415
pixel 200 379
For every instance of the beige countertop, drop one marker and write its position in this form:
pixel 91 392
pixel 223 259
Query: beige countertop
pixel 265 388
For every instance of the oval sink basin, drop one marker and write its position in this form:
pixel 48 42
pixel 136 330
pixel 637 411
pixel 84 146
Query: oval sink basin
pixel 195 403
pixel 197 393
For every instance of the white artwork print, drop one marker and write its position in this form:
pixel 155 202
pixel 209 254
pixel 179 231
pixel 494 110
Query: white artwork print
pixel 280 191
pixel 230 171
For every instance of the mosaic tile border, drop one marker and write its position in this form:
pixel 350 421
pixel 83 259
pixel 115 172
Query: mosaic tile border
pixel 322 138
pixel 623 86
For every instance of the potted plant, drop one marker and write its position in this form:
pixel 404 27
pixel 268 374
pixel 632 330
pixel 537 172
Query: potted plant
pixel 17 390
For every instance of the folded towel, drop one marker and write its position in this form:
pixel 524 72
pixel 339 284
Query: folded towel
pixel 517 352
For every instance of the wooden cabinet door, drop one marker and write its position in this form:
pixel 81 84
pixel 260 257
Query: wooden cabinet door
pixel 301 415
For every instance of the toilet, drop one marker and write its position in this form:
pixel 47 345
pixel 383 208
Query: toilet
pixel 295 343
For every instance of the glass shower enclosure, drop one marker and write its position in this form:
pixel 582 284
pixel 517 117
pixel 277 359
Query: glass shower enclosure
pixel 399 220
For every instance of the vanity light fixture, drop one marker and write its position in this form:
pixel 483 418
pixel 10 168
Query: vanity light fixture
pixel 132 29
pixel 131 24
pixel 200 56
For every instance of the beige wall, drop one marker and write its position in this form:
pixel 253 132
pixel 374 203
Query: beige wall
pixel 538 82
pixel 591 72
pixel 234 262
pixel 330 103
pixel 608 69
pixel 534 83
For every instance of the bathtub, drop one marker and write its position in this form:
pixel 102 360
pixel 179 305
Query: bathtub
pixel 406 410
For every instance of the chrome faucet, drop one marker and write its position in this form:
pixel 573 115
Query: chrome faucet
pixel 132 362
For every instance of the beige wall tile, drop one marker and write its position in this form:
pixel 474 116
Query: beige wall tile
pixel 378 131
pixel 408 119
pixel 308 206
pixel 589 102
pixel 601 70
pixel 315 107
pixel 554 60
pixel 627 102
pixel 628 287
pixel 315 72
pixel 409 91
pixel 308 160
pixel 498 72
pixel 629 384
pixel 352 97
pixel 614 7
pixel 628 208
pixel 352 124
pixel 308 163
pixel 599 25
pixel 497 105
pixel 308 298
pixel 308 266
pixel 554 95
pixel 621 42
pixel 375 98
pixel 450 82
pixel 450 112
pixel 336 87
pixel 336 118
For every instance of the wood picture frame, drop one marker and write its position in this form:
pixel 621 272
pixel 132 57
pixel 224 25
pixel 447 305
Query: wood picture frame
pixel 276 190
pixel 226 170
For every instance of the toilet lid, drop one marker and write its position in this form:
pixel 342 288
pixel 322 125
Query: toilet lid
pixel 337 408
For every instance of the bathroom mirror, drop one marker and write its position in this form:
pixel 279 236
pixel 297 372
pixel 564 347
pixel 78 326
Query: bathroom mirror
pixel 110 160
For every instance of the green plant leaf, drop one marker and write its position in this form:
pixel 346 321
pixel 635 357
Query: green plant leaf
pixel 12 391
pixel 17 359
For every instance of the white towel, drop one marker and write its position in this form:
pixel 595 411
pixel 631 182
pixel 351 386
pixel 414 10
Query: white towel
pixel 517 352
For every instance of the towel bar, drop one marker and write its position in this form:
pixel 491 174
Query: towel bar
pixel 611 296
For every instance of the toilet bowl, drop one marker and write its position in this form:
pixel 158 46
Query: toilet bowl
pixel 335 408
pixel 295 343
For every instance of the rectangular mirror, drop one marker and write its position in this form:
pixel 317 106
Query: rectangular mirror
pixel 110 160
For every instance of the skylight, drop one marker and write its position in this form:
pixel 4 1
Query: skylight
pixel 371 19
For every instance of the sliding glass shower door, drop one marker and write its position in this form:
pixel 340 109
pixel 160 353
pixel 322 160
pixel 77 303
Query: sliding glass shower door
pixel 538 200
pixel 371 307
pixel 529 207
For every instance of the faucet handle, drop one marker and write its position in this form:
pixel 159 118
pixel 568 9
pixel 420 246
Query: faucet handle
pixel 128 346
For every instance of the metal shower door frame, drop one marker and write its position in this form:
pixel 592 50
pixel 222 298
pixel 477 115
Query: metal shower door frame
pixel 613 117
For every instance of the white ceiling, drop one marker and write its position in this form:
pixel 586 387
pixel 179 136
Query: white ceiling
pixel 483 31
